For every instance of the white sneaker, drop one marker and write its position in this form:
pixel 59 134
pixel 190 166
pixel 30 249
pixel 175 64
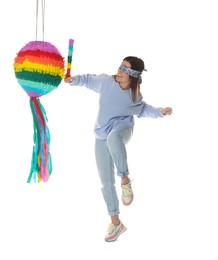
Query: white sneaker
pixel 127 194
pixel 114 231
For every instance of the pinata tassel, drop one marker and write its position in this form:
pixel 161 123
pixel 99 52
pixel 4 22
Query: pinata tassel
pixel 41 165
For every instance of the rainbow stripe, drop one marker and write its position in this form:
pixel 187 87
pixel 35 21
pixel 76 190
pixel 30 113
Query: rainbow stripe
pixel 39 68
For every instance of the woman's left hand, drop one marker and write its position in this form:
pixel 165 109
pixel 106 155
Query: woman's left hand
pixel 167 111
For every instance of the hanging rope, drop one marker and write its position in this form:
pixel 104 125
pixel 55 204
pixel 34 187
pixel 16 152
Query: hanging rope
pixel 43 18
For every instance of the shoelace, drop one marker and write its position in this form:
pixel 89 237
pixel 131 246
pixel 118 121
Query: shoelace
pixel 110 228
pixel 127 189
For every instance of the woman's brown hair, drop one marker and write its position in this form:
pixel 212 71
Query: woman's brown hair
pixel 138 65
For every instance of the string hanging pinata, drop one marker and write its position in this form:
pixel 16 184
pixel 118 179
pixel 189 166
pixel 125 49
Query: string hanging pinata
pixel 39 69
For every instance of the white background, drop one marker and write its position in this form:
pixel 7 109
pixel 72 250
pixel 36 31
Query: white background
pixel 173 160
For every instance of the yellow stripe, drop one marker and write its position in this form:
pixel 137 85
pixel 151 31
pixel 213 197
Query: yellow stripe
pixel 69 65
pixel 35 67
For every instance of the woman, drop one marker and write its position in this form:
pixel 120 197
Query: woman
pixel 119 101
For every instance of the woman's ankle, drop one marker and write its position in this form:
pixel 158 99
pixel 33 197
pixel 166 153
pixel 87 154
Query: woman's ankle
pixel 115 220
pixel 125 180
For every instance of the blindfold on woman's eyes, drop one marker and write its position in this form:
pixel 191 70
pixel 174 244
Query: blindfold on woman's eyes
pixel 129 71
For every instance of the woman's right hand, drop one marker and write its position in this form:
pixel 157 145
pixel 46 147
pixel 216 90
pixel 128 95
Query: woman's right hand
pixel 68 79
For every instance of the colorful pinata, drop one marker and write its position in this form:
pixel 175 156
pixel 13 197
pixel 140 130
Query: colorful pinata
pixel 39 69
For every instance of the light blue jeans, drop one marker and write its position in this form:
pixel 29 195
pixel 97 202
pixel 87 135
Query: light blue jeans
pixel 111 154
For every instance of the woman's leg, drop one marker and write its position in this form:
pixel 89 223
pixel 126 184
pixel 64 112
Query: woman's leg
pixel 105 167
pixel 116 141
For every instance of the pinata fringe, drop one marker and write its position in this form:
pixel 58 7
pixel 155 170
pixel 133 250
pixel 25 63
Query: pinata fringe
pixel 41 164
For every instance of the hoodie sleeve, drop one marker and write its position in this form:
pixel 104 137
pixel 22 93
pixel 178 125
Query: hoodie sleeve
pixel 150 111
pixel 90 81
pixel 146 110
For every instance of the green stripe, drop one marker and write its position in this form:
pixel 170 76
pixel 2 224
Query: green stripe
pixel 39 77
